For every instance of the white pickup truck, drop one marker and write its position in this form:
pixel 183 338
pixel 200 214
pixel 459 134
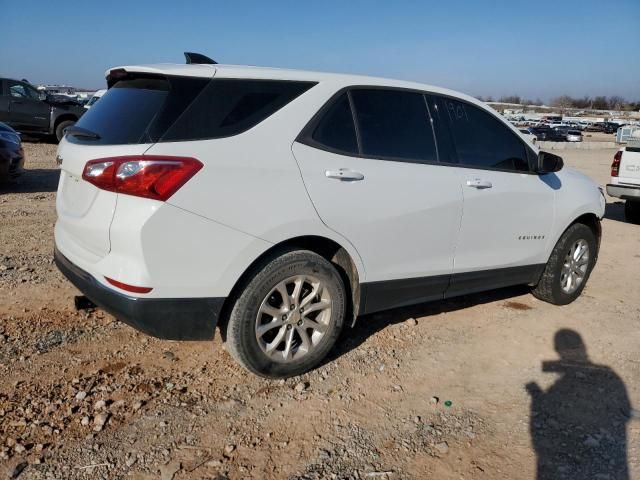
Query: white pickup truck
pixel 625 179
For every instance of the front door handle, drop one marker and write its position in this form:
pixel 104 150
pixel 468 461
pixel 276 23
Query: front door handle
pixel 479 184
pixel 344 174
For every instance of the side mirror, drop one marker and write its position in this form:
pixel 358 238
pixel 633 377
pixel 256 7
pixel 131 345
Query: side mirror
pixel 548 163
pixel 42 95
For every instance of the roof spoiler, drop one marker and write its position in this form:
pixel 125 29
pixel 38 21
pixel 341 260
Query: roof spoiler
pixel 198 58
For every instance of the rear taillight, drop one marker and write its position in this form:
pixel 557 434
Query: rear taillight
pixel 615 166
pixel 148 176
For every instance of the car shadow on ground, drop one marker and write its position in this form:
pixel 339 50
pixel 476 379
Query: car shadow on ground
pixel 41 180
pixel 615 211
pixel 368 325
pixel 578 424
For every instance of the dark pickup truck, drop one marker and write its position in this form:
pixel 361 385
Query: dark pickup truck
pixel 29 111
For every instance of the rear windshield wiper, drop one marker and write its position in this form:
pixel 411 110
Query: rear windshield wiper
pixel 81 132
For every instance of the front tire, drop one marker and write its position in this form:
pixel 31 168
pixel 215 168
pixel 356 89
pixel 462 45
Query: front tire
pixel 569 266
pixel 288 316
pixel 632 212
pixel 61 127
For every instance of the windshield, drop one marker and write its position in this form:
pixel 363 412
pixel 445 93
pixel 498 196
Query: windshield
pixel 92 100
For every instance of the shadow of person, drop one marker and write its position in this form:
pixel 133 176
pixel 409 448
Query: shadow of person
pixel 578 425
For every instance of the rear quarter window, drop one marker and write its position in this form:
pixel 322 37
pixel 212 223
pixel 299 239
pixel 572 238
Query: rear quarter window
pixel 229 107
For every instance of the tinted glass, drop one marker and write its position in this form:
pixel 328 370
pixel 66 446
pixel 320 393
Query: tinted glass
pixel 149 109
pixel 231 106
pixel 481 140
pixel 336 130
pixel 124 112
pixel 394 124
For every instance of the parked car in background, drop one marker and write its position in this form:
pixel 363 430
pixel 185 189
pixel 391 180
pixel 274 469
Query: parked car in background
pixel 594 127
pixel 625 179
pixel 164 223
pixel 574 136
pixel 528 135
pixel 610 127
pixel 11 153
pixel 546 134
pixel 29 111
pixel 94 98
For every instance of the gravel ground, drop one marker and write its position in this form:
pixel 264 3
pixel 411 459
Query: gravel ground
pixel 470 388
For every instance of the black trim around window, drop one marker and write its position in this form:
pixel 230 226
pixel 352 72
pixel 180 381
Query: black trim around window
pixel 445 147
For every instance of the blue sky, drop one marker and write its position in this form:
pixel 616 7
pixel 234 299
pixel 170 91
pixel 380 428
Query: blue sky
pixel 535 48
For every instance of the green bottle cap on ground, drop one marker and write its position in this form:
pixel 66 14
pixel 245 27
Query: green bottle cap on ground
pixel 448 403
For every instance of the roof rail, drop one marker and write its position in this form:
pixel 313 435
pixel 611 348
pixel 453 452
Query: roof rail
pixel 198 58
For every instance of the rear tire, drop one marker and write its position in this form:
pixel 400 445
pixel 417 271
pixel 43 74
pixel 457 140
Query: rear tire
pixel 61 126
pixel 632 212
pixel 569 266
pixel 277 337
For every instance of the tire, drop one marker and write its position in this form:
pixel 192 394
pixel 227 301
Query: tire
pixel 278 349
pixel 61 126
pixel 550 288
pixel 632 212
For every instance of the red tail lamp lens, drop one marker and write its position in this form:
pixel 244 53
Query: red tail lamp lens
pixel 148 176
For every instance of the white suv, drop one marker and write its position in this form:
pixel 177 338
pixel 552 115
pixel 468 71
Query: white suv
pixel 280 205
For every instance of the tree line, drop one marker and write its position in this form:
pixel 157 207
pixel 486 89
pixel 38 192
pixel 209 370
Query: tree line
pixel 566 101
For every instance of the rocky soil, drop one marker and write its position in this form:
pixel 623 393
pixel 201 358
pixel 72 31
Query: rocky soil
pixel 435 391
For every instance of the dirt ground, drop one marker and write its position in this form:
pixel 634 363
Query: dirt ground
pixel 471 388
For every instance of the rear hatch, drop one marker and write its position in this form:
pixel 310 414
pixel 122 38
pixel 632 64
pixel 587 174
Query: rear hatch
pixel 131 116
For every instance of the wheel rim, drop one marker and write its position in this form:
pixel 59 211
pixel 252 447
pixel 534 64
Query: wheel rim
pixel 574 268
pixel 293 318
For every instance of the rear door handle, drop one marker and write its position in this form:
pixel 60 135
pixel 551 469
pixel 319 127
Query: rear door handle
pixel 479 184
pixel 344 174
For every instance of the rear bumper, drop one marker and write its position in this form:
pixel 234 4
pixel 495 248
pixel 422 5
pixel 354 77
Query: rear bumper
pixel 623 191
pixel 166 318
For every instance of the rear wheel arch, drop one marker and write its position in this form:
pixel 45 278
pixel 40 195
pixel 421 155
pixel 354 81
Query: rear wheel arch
pixel 323 246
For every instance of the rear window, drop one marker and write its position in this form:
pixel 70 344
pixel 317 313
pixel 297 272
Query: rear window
pixel 172 109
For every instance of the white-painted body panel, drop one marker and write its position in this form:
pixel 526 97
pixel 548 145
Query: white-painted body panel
pixel 260 188
pixel 507 224
pixel 403 218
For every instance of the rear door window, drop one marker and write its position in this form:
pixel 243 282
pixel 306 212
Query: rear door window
pixel 336 130
pixel 481 140
pixel 394 124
